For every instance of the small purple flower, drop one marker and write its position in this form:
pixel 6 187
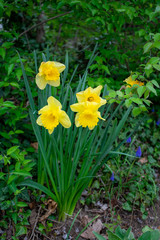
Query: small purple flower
pixel 158 122
pixel 129 140
pixel 153 110
pixel 112 177
pixel 139 152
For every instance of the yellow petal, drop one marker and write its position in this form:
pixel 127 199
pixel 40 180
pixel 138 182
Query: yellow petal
pixel 42 110
pixel 103 101
pixel 97 90
pixel 54 83
pixel 60 66
pixel 80 96
pixel 64 119
pixel 50 131
pixel 52 102
pixel 91 128
pixel 77 107
pixel 39 121
pixel 99 116
pixel 76 120
pixel 40 81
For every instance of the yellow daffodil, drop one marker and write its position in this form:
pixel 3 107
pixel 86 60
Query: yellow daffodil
pixel 131 82
pixel 91 95
pixel 87 114
pixel 49 73
pixel 52 115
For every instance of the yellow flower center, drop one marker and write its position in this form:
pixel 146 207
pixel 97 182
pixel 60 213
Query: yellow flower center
pixel 88 118
pixel 92 98
pixel 50 72
pixel 49 120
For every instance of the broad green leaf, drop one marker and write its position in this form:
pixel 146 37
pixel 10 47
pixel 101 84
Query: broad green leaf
pixel 20 230
pixel 157 37
pixel 156 45
pixel 112 93
pixel 98 236
pixel 136 111
pixel 112 236
pixel 147 47
pixel 119 93
pixel 15 84
pixel 2 52
pixel 21 204
pixel 128 103
pixel 147 102
pixel 10 68
pixel 7 44
pixel 136 100
pixel 150 87
pixel 153 60
pixel 156 66
pixel 146 94
pixel 141 90
pixel 155 83
pixel 12 150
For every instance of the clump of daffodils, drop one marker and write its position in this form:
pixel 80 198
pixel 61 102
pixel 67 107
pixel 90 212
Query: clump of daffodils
pixel 89 101
pixel 87 107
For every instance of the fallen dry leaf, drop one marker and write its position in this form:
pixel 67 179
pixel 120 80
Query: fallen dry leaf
pixel 143 160
pixel 35 145
pixel 51 209
pixel 32 218
pixel 96 227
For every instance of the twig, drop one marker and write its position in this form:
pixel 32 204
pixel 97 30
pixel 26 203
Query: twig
pixel 42 234
pixel 35 223
pixel 36 25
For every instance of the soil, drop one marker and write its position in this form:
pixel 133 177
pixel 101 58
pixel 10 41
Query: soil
pixel 105 215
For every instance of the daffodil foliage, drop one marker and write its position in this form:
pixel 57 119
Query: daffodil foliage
pixel 75 130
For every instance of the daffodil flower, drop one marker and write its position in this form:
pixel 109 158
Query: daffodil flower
pixel 87 114
pixel 49 73
pixel 52 115
pixel 131 82
pixel 91 95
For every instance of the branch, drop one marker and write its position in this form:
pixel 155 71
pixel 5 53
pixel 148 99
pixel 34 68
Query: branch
pixel 36 25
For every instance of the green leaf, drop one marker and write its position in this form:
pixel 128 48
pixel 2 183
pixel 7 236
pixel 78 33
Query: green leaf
pixel 112 93
pixel 2 52
pixel 150 87
pixel 7 44
pixel 150 235
pixel 38 186
pixel 22 204
pixel 12 150
pixel 146 94
pixel 128 102
pixel 153 60
pixel 98 236
pixel 136 100
pixel 10 69
pixel 156 45
pixel 22 173
pixel 155 83
pixel 141 90
pixel 136 111
pixel 157 37
pixel 15 84
pixel 20 230
pixel 119 93
pixel 112 236
pixel 147 47
pixel 156 66
pixel 127 207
